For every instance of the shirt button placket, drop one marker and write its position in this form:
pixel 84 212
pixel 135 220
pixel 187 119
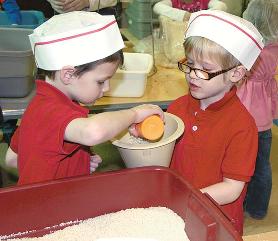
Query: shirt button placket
pixel 194 127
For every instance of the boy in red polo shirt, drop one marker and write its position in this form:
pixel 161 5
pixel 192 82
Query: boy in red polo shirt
pixel 217 151
pixel 80 52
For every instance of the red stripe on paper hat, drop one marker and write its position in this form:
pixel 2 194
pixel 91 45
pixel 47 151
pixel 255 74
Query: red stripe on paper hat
pixel 236 35
pixel 87 37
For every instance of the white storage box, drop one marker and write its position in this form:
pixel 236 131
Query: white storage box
pixel 132 79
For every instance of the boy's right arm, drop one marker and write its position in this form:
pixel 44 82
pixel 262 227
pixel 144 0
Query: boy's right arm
pixel 104 126
pixel 11 158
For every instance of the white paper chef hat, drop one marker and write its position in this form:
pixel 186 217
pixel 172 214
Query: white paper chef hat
pixel 236 35
pixel 75 38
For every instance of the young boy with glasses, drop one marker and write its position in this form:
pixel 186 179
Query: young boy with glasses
pixel 217 151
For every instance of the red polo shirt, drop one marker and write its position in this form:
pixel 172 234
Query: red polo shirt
pixel 218 142
pixel 43 154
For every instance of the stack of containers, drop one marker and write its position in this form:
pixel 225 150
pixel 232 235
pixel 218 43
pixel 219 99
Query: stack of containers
pixel 17 65
pixel 139 17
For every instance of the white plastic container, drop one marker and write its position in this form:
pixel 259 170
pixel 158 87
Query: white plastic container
pixel 132 79
pixel 151 154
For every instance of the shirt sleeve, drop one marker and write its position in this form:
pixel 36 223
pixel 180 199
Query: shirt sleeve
pixel 55 142
pixel 241 153
pixel 95 4
pixel 165 8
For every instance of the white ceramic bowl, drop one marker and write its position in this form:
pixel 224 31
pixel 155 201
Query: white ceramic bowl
pixel 154 153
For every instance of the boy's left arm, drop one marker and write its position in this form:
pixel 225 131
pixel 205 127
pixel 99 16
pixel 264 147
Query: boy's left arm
pixel 11 158
pixel 225 192
pixel 239 161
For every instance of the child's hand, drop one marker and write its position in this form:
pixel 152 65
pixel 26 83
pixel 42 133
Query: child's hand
pixel 94 162
pixel 143 111
pixel 133 131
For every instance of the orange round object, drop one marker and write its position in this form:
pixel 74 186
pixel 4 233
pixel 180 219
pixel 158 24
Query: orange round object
pixel 152 128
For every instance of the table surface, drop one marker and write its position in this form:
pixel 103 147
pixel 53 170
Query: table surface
pixel 267 236
pixel 163 86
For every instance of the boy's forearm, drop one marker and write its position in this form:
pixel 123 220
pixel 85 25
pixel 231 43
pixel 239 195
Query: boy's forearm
pixel 224 192
pixel 111 123
pixel 99 128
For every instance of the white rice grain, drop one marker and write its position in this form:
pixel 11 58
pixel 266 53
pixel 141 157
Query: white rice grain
pixel 157 223
pixel 136 140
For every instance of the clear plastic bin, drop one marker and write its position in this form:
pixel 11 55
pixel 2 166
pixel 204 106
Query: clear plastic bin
pixel 142 9
pixel 140 16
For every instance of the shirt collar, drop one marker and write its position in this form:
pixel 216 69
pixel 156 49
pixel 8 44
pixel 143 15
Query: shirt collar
pixel 228 97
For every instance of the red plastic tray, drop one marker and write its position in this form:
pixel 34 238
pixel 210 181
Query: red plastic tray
pixel 34 207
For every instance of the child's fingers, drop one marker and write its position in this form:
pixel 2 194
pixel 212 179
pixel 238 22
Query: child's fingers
pixel 93 165
pixel 96 159
pixel 132 130
pixel 94 162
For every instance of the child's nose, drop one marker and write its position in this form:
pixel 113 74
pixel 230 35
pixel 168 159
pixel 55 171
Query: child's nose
pixel 192 74
pixel 106 86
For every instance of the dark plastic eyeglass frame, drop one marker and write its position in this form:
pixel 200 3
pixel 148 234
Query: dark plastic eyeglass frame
pixel 210 75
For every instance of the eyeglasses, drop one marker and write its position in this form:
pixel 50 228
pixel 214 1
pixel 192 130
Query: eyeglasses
pixel 202 74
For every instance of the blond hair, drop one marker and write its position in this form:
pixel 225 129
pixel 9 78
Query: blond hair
pixel 200 47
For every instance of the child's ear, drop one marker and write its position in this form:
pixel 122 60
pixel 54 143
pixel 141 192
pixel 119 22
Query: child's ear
pixel 238 73
pixel 67 74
